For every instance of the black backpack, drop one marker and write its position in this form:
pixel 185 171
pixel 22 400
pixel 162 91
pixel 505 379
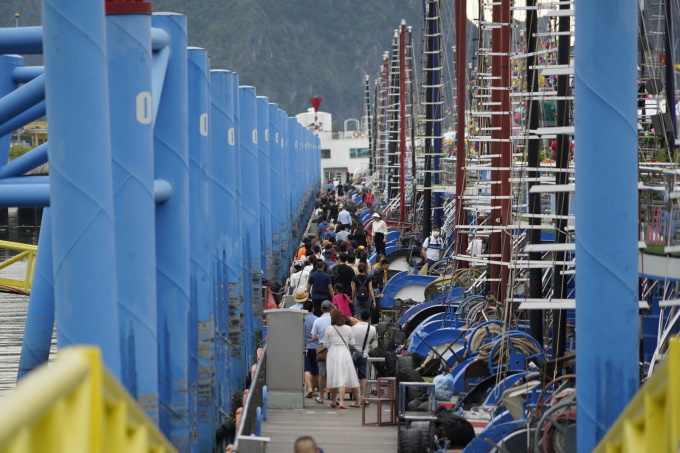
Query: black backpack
pixel 363 294
pixel 335 274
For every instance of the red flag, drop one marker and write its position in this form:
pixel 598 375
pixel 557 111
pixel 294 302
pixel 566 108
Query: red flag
pixel 316 102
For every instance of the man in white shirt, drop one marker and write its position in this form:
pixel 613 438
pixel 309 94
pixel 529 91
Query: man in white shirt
pixel 475 247
pixel 433 248
pixel 359 330
pixel 379 231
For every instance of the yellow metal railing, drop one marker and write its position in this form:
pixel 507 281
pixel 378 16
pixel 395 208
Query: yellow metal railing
pixel 75 405
pixel 27 252
pixel 651 421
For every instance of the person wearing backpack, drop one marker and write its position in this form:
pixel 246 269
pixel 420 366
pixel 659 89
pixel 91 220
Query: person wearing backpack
pixel 362 291
pixel 433 248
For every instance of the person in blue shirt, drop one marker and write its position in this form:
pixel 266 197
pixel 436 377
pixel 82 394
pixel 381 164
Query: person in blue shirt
pixel 319 286
pixel 344 217
pixel 321 229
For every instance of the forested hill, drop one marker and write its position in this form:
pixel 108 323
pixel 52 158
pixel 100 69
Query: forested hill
pixel 296 49
pixel 290 50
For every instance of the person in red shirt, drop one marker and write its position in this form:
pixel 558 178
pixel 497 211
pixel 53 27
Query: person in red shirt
pixel 368 199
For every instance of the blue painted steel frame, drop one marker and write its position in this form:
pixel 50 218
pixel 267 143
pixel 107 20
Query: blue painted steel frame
pixel 177 208
pixel 35 349
pixel 8 64
pixel 171 160
pixel 264 181
pixel 226 237
pixel 250 208
pixel 202 342
pixel 276 195
pixel 84 254
pixel 129 64
pixel 606 207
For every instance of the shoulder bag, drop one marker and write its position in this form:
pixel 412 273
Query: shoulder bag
pixel 321 352
pixel 356 353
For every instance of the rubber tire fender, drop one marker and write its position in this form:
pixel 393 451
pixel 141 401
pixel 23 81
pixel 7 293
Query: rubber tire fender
pixel 410 441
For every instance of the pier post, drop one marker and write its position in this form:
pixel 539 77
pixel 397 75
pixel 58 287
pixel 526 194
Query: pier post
pixel 226 238
pixel 129 56
pixel 264 163
pixel 171 160
pixel 35 349
pixel 293 178
pixel 606 215
pixel 200 245
pixel 275 185
pixel 290 243
pixel 250 192
pixel 81 189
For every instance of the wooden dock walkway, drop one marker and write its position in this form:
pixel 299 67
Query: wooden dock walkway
pixel 333 431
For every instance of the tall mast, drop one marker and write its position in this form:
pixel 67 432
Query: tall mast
pixel 501 150
pixel 367 114
pixel 533 161
pixel 402 120
pixel 670 74
pixel 559 337
pixel 433 117
pixel 461 67
pixel 393 119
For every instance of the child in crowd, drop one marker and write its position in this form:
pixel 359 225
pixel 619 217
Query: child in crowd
pixel 341 300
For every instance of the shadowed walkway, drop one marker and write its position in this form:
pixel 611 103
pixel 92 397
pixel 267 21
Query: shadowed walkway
pixel 334 431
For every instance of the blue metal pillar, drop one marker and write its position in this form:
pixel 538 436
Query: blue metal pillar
pixel 293 179
pixel 264 163
pixel 35 349
pixel 200 186
pixel 171 160
pixel 250 185
pixel 129 52
pixel 84 253
pixel 278 265
pixel 286 231
pixel 606 213
pixel 226 239
pixel 8 63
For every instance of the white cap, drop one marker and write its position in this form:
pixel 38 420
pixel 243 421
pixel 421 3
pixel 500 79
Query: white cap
pixel 375 214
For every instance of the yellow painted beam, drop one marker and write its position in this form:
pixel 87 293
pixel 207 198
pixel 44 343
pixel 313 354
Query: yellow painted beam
pixel 74 405
pixel 651 421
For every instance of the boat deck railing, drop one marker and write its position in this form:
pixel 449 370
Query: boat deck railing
pixel 75 404
pixel 26 251
pixel 247 437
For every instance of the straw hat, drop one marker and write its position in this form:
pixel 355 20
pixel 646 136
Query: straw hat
pixel 300 296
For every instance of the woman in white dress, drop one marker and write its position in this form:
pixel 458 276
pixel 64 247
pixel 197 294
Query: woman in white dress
pixel 340 371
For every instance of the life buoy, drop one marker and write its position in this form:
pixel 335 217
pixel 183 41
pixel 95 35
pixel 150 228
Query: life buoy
pixel 357 134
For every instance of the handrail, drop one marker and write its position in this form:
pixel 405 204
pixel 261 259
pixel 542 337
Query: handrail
pixel 254 411
pixel 76 405
pixel 27 251
pixel 650 421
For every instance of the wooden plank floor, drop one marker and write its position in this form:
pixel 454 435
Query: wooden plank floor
pixel 333 431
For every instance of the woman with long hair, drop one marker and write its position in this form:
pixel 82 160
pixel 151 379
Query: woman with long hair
pixel 340 371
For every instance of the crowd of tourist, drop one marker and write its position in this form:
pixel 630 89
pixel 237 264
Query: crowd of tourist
pixel 332 279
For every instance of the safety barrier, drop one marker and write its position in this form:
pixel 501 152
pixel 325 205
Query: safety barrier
pixel 651 421
pixel 28 252
pixel 75 405
pixel 248 438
